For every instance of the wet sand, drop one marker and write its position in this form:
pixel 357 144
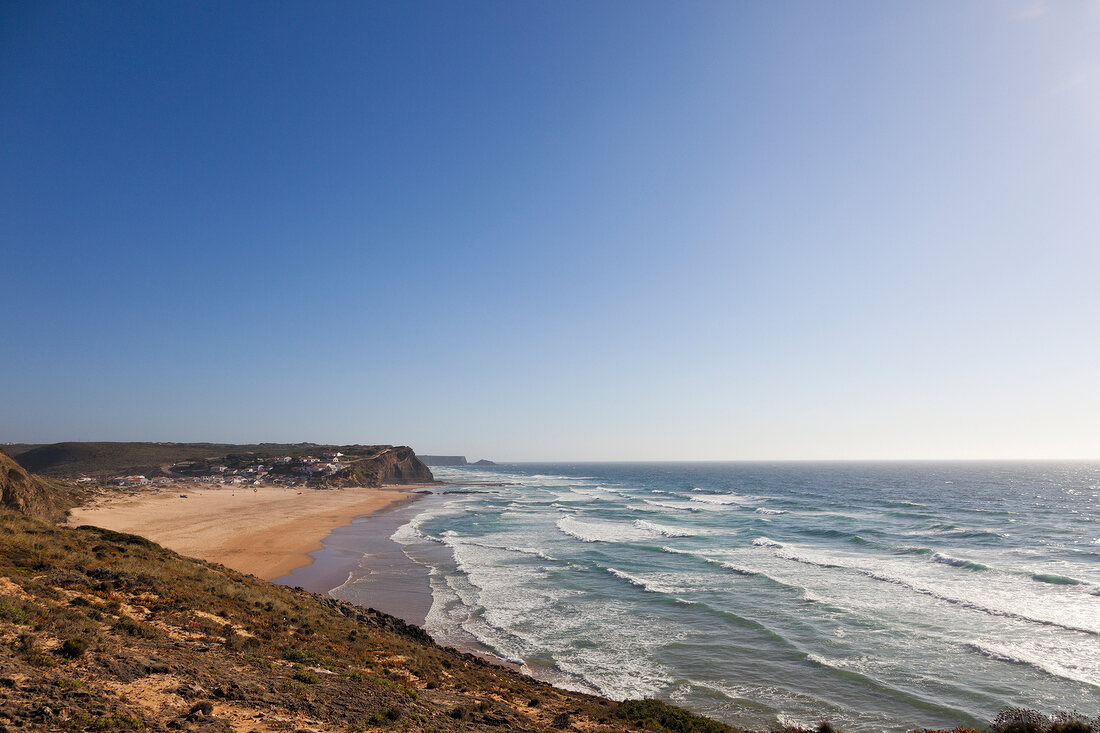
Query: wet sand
pixel 361 564
pixel 267 531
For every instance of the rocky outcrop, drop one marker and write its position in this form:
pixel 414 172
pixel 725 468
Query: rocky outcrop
pixel 31 495
pixel 401 466
pixel 398 465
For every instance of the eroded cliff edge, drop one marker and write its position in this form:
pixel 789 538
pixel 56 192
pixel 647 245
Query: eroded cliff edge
pixel 31 495
pixel 392 465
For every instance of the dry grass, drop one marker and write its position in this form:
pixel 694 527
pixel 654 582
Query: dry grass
pixel 91 619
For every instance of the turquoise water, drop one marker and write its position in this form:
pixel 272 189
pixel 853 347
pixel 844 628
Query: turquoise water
pixel 879 596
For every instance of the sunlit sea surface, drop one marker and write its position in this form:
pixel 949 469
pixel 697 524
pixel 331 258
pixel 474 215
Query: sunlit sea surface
pixel 879 596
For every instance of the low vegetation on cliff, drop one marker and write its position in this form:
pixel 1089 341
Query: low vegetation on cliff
pixel 34 496
pixel 129 463
pixel 107 631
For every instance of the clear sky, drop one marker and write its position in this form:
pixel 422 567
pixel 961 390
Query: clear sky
pixel 555 230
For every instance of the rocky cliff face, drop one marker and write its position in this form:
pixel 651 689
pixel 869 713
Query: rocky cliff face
pixel 401 466
pixel 392 466
pixel 32 495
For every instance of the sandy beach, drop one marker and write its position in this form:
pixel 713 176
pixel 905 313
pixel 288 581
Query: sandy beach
pixel 267 531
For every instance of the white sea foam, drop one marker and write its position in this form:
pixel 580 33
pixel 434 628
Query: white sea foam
pixel 962 584
pixel 602 531
pixel 823 662
pixel 739 569
pixel 531 551
pixel 720 499
pixel 407 532
pixel 661 529
pixel 628 578
pixel 682 506
pixel 1004 595
pixel 662 583
pixel 1043 659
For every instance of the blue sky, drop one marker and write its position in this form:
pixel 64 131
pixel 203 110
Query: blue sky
pixel 573 231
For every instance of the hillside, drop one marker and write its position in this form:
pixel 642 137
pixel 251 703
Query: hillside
pixel 33 496
pixel 16 449
pixel 107 631
pixel 373 463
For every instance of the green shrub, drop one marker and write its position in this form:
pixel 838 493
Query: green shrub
pixel 1022 726
pixel 120 537
pixel 66 683
pixel 656 715
pixel 1025 720
pixel 118 721
pixel 308 677
pixel 1071 726
pixel 72 648
pixel 303 656
pixel 11 612
pixel 127 625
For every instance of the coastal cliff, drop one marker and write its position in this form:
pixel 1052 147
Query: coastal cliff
pixel 139 463
pixel 32 495
pixel 392 465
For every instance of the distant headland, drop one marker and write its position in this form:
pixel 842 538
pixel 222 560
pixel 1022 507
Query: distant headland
pixel 453 461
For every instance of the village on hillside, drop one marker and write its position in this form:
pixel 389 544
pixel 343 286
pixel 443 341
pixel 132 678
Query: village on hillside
pixel 282 470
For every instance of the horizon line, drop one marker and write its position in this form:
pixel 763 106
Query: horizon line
pixel 923 459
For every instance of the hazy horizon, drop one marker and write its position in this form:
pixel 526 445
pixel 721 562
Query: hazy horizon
pixel 472 457
pixel 851 231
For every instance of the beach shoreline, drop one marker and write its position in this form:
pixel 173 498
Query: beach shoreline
pixel 266 531
pixel 387 579
pixel 309 538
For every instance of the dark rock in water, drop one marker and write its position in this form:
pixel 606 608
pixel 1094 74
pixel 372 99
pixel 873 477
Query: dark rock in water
pixel 483 462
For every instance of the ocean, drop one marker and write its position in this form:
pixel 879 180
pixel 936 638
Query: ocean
pixel 878 596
